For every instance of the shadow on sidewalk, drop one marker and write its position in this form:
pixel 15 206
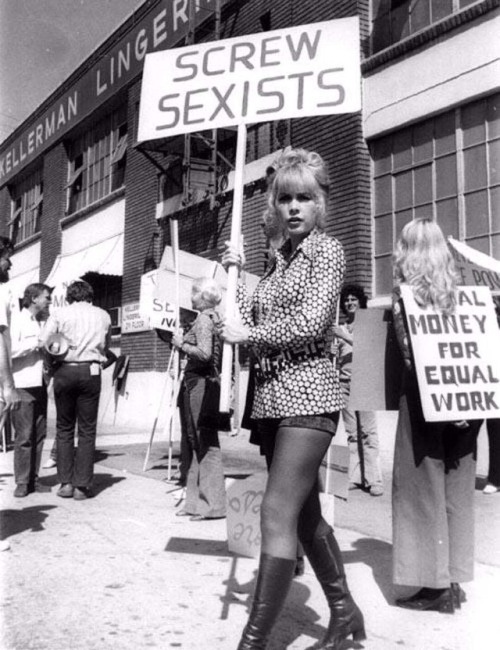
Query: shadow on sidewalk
pixel 376 554
pixel 100 483
pixel 17 521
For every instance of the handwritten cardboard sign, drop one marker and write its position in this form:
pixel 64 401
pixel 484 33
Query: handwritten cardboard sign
pixel 300 71
pixel 244 498
pixel 457 356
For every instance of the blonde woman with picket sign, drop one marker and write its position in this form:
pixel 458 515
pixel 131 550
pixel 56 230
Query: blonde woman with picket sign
pixel 434 462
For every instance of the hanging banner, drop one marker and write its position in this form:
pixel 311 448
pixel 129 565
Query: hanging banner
pixel 474 267
pixel 457 356
pixel 295 72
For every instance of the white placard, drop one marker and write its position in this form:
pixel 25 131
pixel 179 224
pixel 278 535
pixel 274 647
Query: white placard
pixel 457 357
pixel 474 267
pixel 300 71
pixel 244 498
pixel 132 320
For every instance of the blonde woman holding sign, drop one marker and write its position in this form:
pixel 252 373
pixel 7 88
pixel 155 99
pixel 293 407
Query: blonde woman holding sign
pixel 288 324
pixel 434 462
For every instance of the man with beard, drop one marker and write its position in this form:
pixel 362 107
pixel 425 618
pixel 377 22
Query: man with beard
pixel 30 420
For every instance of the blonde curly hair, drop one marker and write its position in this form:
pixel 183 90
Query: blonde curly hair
pixel 297 169
pixel 422 260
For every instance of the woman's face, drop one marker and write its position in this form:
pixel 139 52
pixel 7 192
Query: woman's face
pixel 351 305
pixel 298 211
pixel 197 300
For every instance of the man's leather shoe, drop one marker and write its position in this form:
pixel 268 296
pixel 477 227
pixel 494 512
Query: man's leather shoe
pixel 65 491
pixel 21 491
pixel 435 600
pixel 40 487
pixel 82 493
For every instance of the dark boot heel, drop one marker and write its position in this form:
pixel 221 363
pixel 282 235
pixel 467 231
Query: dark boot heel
pixel 446 605
pixel 459 595
pixel 346 618
pixel 273 583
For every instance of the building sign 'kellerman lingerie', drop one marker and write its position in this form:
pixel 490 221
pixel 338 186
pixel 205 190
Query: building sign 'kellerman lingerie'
pixel 159 29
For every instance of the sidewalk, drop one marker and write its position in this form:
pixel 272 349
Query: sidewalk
pixel 122 572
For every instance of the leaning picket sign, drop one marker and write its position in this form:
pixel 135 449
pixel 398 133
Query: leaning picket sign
pixel 300 71
pixel 457 356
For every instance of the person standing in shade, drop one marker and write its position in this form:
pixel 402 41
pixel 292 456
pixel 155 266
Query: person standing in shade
pixel 361 426
pixel 434 462
pixel 288 324
pixel 199 405
pixel 30 420
pixel 10 398
pixel 77 386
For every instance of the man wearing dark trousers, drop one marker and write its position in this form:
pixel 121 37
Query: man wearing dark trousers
pixel 77 386
pixel 30 420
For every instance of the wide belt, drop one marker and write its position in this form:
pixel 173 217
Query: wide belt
pixel 270 365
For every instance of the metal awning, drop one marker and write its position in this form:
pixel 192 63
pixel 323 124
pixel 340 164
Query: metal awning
pixel 105 257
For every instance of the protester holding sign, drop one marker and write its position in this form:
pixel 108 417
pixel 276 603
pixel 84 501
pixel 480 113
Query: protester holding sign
pixel 361 426
pixel 434 462
pixel 288 325
pixel 198 402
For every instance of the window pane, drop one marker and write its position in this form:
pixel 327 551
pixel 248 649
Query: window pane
pixel 475 168
pixel 383 275
pixel 423 211
pixel 383 194
pixel 383 234
pixel 473 123
pixel 440 9
pixel 420 15
pixel 423 184
pixel 402 149
pixel 422 142
pixel 402 218
pixel 480 244
pixel 446 176
pixel 494 161
pixel 495 246
pixel 493 116
pixel 403 190
pixel 476 214
pixel 381 151
pixel 444 133
pixel 400 22
pixel 495 209
pixel 447 217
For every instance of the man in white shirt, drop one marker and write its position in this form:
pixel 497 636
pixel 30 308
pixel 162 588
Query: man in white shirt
pixel 77 385
pixel 9 397
pixel 30 420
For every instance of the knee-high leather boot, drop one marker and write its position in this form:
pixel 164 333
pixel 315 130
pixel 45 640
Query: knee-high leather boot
pixel 273 583
pixel 346 618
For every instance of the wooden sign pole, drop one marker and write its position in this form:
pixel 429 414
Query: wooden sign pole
pixel 232 274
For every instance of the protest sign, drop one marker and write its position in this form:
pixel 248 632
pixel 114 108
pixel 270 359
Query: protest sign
pixel 300 71
pixel 457 356
pixel 244 498
pixel 474 267
pixel 377 365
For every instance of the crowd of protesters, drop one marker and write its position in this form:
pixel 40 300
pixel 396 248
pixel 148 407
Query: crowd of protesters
pixel 291 328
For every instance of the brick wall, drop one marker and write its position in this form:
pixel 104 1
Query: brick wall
pixel 54 201
pixel 146 350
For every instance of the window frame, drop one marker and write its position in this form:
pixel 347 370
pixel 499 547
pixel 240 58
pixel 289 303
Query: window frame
pixel 26 207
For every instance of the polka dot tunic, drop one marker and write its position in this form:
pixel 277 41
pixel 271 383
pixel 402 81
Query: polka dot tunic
pixel 294 306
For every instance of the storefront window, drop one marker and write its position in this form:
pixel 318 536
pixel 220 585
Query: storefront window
pixel 97 161
pixel 394 20
pixel 447 168
pixel 26 207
